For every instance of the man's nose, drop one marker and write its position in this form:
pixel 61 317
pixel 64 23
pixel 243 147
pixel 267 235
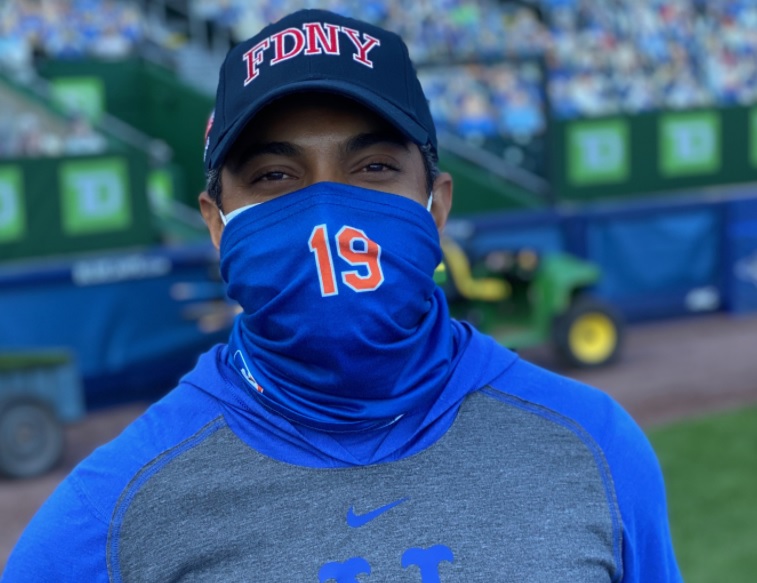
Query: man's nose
pixel 328 172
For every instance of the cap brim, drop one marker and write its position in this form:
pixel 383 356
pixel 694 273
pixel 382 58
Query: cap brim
pixel 392 114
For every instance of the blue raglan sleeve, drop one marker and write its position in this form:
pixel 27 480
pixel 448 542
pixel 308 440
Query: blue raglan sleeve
pixel 64 542
pixel 648 555
pixel 646 547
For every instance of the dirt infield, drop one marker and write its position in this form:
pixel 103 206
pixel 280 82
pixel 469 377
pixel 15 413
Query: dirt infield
pixel 669 370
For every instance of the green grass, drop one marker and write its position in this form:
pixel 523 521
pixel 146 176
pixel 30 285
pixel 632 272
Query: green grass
pixel 710 468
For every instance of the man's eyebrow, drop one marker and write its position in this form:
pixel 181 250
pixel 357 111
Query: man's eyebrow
pixel 366 140
pixel 261 149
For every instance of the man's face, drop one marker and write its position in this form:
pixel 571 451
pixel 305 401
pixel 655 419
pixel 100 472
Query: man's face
pixel 309 138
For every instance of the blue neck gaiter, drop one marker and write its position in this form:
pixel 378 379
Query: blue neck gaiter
pixel 343 327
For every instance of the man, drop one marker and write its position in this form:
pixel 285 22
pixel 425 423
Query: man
pixel 350 431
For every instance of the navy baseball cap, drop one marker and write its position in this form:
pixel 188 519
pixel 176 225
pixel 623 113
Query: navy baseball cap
pixel 317 50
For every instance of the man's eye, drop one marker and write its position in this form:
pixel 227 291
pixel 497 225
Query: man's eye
pixel 271 176
pixel 379 167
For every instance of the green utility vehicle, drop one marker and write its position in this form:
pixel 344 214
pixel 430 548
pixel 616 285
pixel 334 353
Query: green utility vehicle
pixel 523 300
pixel 40 391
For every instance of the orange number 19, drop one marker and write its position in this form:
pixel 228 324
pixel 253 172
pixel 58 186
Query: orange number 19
pixel 355 248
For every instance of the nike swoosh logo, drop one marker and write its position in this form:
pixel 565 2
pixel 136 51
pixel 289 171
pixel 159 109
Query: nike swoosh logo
pixel 358 520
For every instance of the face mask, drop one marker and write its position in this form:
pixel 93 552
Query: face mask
pixel 343 326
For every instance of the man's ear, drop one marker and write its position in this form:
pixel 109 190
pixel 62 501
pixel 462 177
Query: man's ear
pixel 442 200
pixel 210 213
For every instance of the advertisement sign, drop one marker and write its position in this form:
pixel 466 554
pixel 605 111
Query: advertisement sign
pixel 160 189
pixel 598 152
pixel 95 196
pixel 689 143
pixel 12 216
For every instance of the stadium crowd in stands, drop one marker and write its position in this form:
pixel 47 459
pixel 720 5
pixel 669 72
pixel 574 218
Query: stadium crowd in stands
pixel 609 56
pixel 476 58
pixel 602 56
pixel 497 106
pixel 436 30
pixel 61 29
pixel 67 29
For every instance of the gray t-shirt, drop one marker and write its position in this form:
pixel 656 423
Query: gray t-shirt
pixel 505 495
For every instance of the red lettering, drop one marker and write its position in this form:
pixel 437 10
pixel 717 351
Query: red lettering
pixel 363 48
pixel 279 41
pixel 318 42
pixel 318 38
pixel 253 58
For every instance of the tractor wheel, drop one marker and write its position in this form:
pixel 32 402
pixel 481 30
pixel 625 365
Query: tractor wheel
pixel 589 334
pixel 31 438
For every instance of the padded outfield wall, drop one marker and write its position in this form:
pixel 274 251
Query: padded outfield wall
pixel 650 153
pixel 56 206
